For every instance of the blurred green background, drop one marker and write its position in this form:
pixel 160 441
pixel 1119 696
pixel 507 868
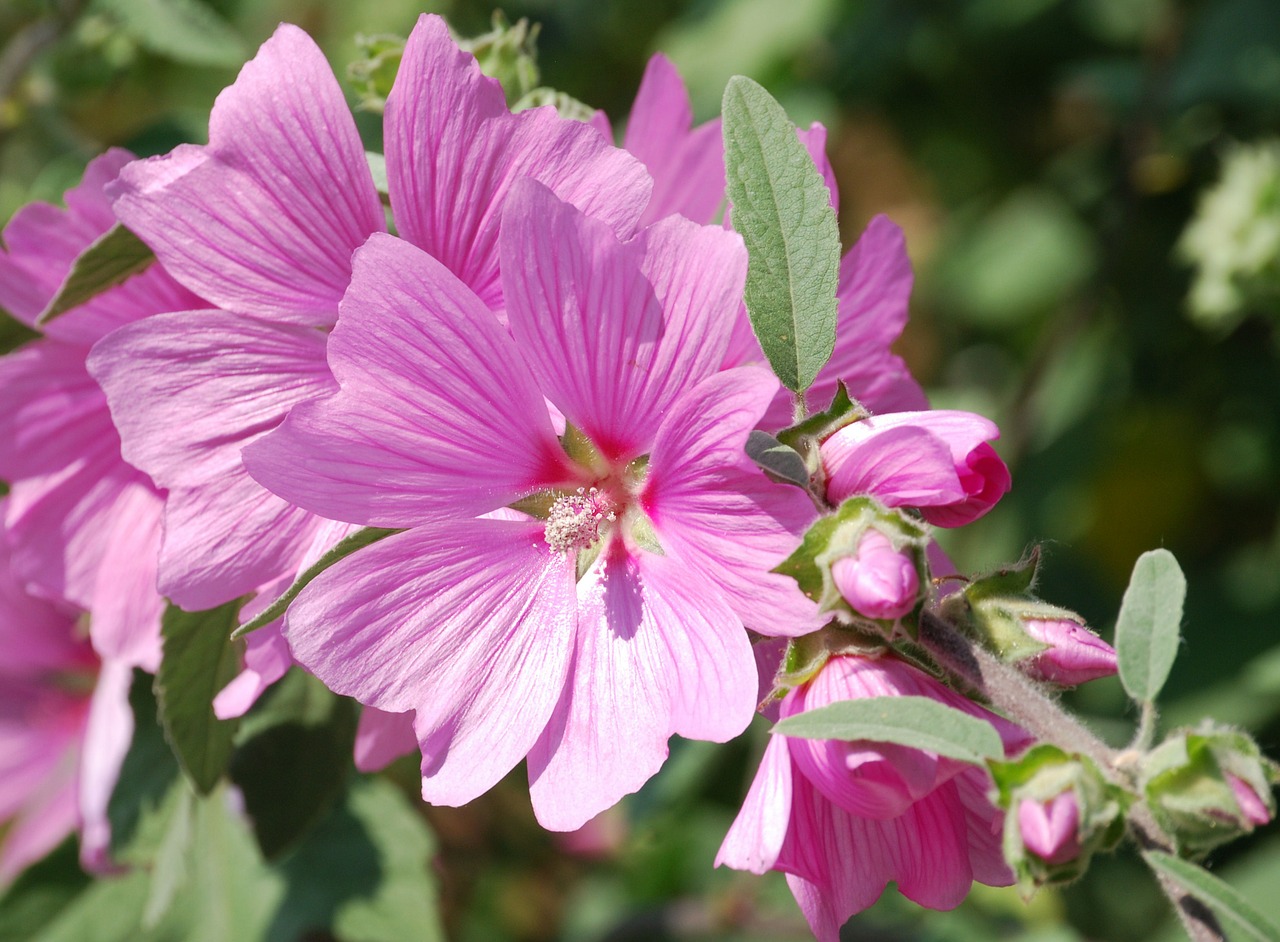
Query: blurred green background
pixel 1043 157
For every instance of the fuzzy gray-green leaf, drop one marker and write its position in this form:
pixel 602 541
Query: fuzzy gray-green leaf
pixel 1148 629
pixel 1227 903
pixel 918 722
pixel 782 208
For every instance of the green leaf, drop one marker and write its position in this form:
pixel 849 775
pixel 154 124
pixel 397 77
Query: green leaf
pixel 779 461
pixel 1230 906
pixel 782 208
pixel 186 31
pixel 114 256
pixel 292 759
pixel 378 168
pixel 365 872
pixel 199 660
pixel 918 722
pixel 356 541
pixel 147 791
pixel 1147 631
pixel 41 892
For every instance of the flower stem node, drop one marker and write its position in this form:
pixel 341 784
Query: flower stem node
pixel 1208 786
pixel 1047 643
pixel 1059 812
pixel 865 565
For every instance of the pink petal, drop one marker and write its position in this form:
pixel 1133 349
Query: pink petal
pixel 382 737
pixel 187 392
pixel 106 740
pixel 814 139
pixel 616 331
pixel 453 151
pixel 466 622
pixel 42 241
pixel 714 510
pixel 126 607
pixel 686 163
pixel 266 660
pixel 49 818
pixel 264 219
pixel 875 288
pixel 901 466
pixel 437 413
pixel 657 654
pixel 756 836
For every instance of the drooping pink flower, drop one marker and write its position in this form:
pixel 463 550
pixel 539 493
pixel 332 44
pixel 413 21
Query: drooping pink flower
pixel 938 462
pixel 1050 829
pixel 477 618
pixel 263 221
pixel 84 524
pixel 877 580
pixel 65 725
pixel 843 819
pixel 1075 654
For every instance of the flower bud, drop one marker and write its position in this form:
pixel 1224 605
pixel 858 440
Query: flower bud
pixel 1208 786
pixel 1059 812
pixel 877 581
pixel 1074 654
pixel 1049 828
pixel 1044 641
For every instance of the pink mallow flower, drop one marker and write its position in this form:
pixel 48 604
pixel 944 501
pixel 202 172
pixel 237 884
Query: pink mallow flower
pixel 843 819
pixel 65 725
pixel 584 638
pixel 1075 654
pixel 263 221
pixel 1050 829
pixel 84 524
pixel 938 462
pixel 878 581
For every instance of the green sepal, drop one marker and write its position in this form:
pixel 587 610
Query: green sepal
pixel 344 548
pixel 373 74
pixel 1043 773
pixel 844 410
pixel 1018 579
pixel 565 104
pixel 1185 784
pixel 508 53
pixel 109 260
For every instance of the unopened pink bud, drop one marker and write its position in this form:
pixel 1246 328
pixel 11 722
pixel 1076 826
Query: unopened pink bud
pixel 1049 828
pixel 878 581
pixel 1252 806
pixel 1075 653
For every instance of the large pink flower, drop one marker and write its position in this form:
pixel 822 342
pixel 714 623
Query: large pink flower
pixel 843 819
pixel 263 222
pixel 65 726
pixel 586 638
pixel 85 526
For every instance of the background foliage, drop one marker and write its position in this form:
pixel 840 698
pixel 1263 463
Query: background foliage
pixel 1043 157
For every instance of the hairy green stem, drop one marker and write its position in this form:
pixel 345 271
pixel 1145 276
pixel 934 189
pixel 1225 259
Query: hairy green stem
pixel 1030 707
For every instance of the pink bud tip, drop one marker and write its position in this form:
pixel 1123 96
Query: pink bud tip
pixel 1252 806
pixel 1049 827
pixel 1075 653
pixel 878 581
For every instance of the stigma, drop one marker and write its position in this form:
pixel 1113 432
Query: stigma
pixel 575 520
